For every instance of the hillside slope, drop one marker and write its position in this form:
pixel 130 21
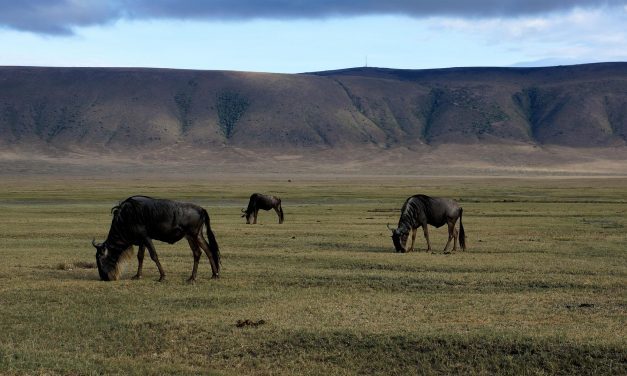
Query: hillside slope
pixel 134 109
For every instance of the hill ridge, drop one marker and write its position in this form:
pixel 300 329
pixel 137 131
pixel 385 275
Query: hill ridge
pixel 137 108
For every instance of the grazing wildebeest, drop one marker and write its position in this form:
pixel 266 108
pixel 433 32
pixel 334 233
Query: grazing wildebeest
pixel 421 210
pixel 140 219
pixel 258 201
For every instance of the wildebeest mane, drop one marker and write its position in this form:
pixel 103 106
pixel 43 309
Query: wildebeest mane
pixel 130 211
pixel 125 215
pixel 411 208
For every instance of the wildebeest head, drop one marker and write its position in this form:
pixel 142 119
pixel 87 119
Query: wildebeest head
pixel 108 260
pixel 101 251
pixel 399 238
pixel 247 215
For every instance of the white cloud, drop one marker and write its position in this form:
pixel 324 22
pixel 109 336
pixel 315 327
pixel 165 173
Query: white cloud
pixel 497 27
pixel 582 34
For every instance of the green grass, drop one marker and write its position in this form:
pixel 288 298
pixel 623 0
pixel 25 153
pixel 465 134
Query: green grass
pixel 541 290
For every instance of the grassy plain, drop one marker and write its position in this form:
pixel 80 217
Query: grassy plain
pixel 541 290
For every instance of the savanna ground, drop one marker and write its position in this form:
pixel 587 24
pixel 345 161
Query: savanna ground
pixel 542 288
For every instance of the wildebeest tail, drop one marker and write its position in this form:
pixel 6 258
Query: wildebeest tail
pixel 462 236
pixel 213 243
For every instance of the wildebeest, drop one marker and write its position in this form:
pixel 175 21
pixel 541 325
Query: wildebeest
pixel 421 210
pixel 258 201
pixel 140 219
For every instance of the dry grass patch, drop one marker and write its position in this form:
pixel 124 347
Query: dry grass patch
pixel 541 289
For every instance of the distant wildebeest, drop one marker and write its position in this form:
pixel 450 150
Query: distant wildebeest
pixel 421 210
pixel 258 201
pixel 140 219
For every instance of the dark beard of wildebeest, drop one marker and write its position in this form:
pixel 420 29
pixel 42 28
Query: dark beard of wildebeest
pixel 140 219
pixel 258 201
pixel 421 211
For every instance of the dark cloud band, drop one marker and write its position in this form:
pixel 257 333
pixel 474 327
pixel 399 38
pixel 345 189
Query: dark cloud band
pixel 61 16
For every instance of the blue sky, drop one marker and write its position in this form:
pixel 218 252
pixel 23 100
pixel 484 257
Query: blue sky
pixel 282 37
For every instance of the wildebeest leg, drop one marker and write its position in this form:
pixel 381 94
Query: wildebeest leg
pixel 255 218
pixel 153 255
pixel 197 253
pixel 455 236
pixel 413 238
pixel 278 213
pixel 425 230
pixel 451 230
pixel 140 261
pixel 205 247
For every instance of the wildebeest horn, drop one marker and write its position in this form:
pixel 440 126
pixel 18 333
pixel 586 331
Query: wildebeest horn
pixel 243 210
pixel 93 242
pixel 390 228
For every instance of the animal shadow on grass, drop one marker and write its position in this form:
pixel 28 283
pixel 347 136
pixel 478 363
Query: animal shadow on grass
pixel 335 246
pixel 581 305
pixel 249 323
pixel 76 265
pixel 76 269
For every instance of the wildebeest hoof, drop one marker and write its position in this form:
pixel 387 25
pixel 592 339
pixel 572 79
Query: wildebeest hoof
pixel 215 276
pixel 191 281
pixel 162 279
pixel 136 277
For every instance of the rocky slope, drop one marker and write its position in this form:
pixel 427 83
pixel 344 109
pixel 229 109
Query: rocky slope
pixel 134 109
